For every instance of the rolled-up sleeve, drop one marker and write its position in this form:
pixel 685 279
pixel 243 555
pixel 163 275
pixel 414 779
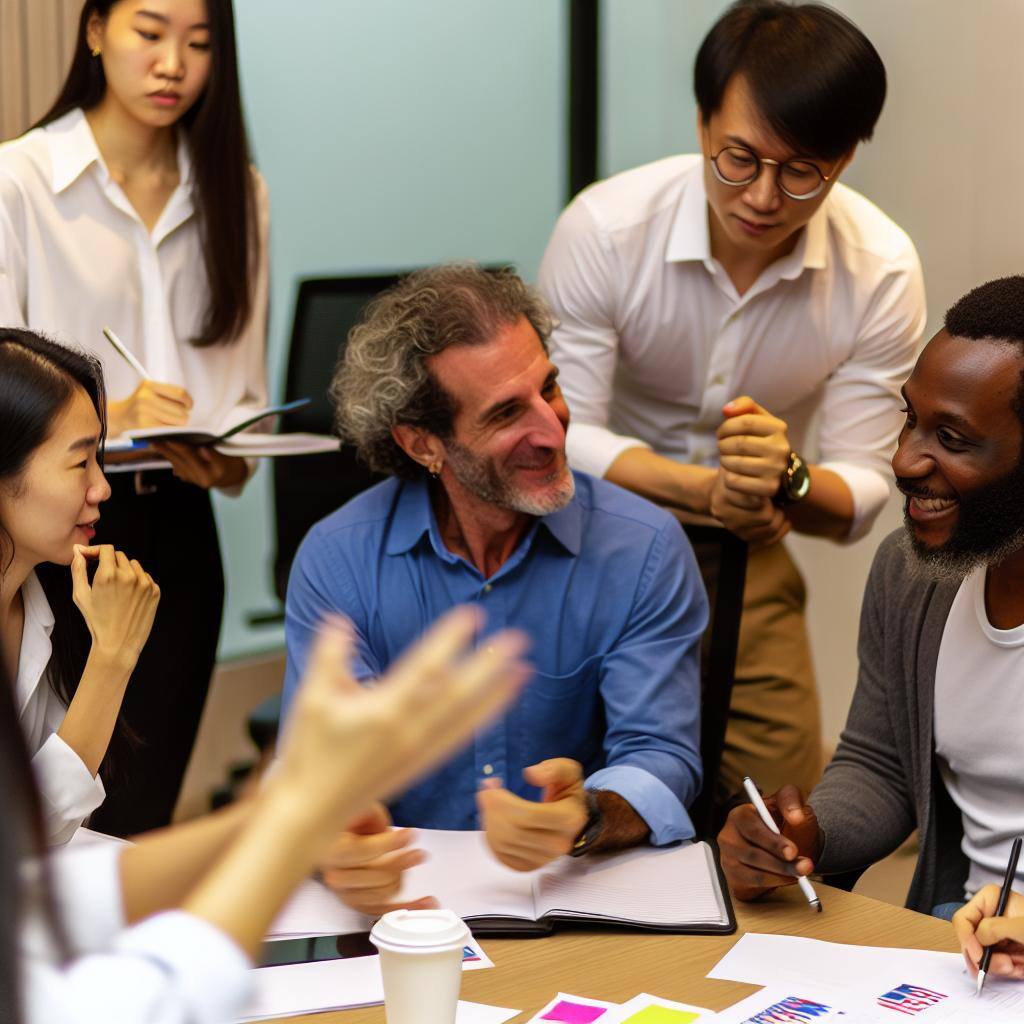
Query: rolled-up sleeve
pixel 69 793
pixel 578 279
pixel 650 685
pixel 860 410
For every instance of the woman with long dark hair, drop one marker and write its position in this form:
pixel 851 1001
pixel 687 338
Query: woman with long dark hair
pixel 133 205
pixel 70 667
pixel 176 917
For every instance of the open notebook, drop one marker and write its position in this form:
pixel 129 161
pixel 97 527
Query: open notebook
pixel 670 889
pixel 200 433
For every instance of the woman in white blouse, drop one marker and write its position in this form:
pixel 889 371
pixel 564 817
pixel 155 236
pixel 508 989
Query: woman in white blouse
pixel 68 686
pixel 134 205
pixel 162 931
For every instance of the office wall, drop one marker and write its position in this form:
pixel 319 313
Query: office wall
pixel 391 134
pixel 400 132
pixel 942 164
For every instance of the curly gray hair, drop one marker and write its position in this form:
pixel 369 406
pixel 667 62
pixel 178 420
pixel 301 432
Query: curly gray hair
pixel 382 379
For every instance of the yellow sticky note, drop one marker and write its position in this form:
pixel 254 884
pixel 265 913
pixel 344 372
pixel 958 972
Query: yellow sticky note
pixel 661 1015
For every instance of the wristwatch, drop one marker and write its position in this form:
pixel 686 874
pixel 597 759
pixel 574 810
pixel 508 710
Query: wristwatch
pixel 795 482
pixel 591 829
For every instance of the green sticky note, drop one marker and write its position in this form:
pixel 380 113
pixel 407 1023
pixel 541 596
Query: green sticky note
pixel 661 1015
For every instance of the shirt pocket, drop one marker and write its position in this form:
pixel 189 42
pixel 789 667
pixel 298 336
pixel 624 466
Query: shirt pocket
pixel 558 687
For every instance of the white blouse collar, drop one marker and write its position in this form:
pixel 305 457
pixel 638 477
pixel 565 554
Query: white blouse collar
pixel 36 647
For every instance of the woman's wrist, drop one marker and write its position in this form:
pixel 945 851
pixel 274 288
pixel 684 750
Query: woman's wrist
pixel 295 812
pixel 113 664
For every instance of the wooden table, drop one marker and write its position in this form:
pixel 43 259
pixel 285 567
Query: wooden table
pixel 618 966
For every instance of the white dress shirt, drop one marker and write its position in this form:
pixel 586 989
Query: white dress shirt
pixel 75 257
pixel 979 719
pixel 653 338
pixel 172 968
pixel 68 791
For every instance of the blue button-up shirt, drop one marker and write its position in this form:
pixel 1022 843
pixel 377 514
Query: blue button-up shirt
pixel 609 592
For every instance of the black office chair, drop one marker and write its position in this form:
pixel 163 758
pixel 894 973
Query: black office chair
pixel 307 489
pixel 723 560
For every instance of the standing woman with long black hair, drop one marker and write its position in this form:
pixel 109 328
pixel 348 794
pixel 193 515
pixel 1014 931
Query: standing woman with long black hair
pixel 133 204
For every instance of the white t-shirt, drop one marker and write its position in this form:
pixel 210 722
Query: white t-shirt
pixel 979 731
pixel 69 793
pixel 653 339
pixel 76 257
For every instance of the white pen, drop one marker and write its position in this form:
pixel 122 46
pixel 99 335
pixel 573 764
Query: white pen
pixel 765 815
pixel 125 354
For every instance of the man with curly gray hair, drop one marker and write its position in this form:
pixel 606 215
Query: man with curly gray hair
pixel 446 386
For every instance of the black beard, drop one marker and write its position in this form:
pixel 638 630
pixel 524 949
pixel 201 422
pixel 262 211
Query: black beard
pixel 989 527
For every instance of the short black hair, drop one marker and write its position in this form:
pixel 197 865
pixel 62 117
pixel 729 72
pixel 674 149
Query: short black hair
pixel 814 76
pixel 993 311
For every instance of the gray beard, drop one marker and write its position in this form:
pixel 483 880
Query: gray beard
pixel 479 478
pixel 947 565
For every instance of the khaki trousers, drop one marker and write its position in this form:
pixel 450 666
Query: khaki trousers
pixel 774 730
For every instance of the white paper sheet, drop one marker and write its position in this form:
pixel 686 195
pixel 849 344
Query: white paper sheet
pixel 479 1013
pixel 871 983
pixel 789 1004
pixel 341 984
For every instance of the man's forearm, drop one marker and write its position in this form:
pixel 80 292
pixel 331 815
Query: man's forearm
pixel 621 826
pixel 827 510
pixel 663 480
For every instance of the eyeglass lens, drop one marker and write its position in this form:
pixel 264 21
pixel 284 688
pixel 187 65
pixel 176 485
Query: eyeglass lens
pixel 739 166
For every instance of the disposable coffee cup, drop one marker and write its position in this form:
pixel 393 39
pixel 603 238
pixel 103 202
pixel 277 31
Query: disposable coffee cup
pixel 421 961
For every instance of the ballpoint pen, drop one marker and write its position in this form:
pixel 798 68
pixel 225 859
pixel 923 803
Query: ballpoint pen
pixel 123 352
pixel 765 815
pixel 1004 896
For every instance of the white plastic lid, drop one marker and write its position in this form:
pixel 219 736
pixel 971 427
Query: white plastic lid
pixel 420 929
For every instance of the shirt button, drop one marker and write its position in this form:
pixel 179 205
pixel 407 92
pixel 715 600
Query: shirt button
pixel 718 380
pixel 488 769
pixel 487 588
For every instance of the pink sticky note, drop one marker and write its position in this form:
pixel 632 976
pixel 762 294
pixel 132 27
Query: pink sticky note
pixel 573 1013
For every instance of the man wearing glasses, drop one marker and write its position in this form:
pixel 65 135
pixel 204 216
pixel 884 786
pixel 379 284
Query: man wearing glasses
pixel 714 307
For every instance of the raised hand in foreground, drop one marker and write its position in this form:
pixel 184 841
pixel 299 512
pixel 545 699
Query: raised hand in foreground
pixel 346 746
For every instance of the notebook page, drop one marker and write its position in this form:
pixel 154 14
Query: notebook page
pixel 315 910
pixel 675 885
pixel 465 877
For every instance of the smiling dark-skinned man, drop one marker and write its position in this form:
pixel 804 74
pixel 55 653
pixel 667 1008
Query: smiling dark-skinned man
pixel 932 741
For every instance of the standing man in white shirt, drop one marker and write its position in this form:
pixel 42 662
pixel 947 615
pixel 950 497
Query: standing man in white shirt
pixel 714 306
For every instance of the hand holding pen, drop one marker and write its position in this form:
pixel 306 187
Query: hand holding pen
pixel 990 928
pixel 758 857
pixel 152 404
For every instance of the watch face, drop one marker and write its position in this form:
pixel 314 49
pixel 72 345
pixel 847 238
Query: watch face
pixel 800 481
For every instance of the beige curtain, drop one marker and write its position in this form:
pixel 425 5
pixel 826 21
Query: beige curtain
pixel 36 38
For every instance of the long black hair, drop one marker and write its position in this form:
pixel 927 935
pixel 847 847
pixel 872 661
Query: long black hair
pixel 22 840
pixel 223 189
pixel 38 377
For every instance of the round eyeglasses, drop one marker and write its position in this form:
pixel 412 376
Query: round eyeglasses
pixel 798 179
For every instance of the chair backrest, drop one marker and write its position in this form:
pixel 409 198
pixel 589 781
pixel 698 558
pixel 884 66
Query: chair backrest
pixel 307 489
pixel 723 561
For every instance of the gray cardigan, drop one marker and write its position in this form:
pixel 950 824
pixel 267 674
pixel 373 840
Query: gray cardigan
pixel 883 782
